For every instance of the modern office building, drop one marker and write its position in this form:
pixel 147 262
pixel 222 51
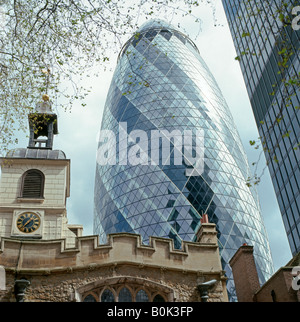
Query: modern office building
pixel 161 85
pixel 270 58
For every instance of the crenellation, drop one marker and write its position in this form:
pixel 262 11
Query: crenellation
pixel 123 258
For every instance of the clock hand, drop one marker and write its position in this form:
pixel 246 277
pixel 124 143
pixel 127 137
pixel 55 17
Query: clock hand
pixel 28 222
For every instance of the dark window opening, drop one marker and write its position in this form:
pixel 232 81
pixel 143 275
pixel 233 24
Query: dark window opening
pixel 89 298
pixel 33 184
pixel 158 298
pixel 125 295
pixel 107 296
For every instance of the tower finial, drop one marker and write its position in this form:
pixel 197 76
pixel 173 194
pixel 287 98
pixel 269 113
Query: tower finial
pixel 45 97
pixel 44 106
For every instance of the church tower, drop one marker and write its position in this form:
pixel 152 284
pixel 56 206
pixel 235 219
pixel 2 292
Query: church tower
pixel 35 184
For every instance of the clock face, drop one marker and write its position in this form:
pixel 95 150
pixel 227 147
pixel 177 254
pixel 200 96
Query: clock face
pixel 28 222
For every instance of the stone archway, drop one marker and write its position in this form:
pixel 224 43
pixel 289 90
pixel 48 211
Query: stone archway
pixel 115 284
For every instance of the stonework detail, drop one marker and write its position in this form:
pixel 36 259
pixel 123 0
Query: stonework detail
pixel 57 273
pixel 52 207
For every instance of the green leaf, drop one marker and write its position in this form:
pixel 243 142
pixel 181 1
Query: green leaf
pixel 245 34
pixel 282 51
pixel 286 135
pixel 281 17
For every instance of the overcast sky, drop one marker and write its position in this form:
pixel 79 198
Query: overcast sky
pixel 78 129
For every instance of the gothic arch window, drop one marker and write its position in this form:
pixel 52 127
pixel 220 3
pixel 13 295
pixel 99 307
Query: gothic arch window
pixel 125 289
pixel 107 296
pixel 90 298
pixel 158 298
pixel 32 184
pixel 125 295
pixel 141 296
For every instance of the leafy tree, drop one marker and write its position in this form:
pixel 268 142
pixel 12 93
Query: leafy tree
pixel 49 46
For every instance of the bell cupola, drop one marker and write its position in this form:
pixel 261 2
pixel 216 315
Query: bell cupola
pixel 42 123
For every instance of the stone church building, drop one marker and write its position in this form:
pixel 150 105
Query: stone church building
pixel 45 259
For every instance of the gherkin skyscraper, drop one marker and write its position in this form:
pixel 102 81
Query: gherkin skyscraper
pixel 162 84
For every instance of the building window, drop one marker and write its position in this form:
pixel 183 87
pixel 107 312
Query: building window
pixel 133 290
pixel 89 298
pixel 107 296
pixel 158 298
pixel 142 296
pixel 32 184
pixel 125 295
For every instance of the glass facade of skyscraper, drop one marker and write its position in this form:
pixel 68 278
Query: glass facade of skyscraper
pixel 262 43
pixel 162 83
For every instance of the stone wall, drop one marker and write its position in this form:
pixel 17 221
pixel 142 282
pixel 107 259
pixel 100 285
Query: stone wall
pixel 67 286
pixel 64 274
pixel 51 208
pixel 56 182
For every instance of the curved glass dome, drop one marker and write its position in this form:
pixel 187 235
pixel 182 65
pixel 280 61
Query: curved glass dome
pixel 164 28
pixel 162 83
pixel 155 24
